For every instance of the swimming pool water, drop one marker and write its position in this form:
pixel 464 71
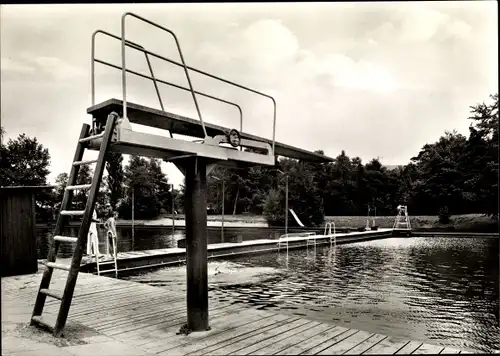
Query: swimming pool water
pixel 438 290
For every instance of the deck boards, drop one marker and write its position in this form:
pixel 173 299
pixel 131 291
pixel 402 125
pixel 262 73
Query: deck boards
pixel 148 318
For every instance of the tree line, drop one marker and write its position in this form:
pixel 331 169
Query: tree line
pixel 457 174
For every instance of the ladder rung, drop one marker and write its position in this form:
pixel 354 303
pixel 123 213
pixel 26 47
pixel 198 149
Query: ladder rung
pixel 65 238
pixel 73 212
pixel 58 266
pixel 79 163
pixel 52 294
pixel 75 187
pixel 38 319
pixel 90 138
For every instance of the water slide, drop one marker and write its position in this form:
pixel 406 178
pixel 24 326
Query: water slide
pixel 296 218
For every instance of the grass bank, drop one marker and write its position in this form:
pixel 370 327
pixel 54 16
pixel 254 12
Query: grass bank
pixel 459 223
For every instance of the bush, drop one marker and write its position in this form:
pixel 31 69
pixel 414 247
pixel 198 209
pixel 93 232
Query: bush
pixel 444 215
pixel 272 209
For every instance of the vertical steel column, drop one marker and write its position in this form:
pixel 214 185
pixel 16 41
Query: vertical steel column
pixel 196 244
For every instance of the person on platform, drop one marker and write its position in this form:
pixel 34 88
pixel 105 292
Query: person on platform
pixel 111 236
pixel 93 237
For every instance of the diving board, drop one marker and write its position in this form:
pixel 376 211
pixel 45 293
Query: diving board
pixel 182 125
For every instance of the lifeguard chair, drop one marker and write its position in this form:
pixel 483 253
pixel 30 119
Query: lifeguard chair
pixel 402 224
pixel 111 131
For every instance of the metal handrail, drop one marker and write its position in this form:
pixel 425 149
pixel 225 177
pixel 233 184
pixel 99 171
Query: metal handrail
pixel 185 69
pixel 141 49
pixel 175 86
pixel 124 76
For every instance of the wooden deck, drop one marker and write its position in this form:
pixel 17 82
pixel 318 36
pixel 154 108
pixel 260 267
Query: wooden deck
pixel 116 317
pixel 133 260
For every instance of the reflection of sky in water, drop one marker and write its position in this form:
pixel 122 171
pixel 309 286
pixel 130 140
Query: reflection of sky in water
pixel 441 290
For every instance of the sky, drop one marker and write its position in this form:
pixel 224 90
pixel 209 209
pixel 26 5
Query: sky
pixel 376 79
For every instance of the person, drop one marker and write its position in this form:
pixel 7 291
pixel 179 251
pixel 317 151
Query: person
pixel 93 237
pixel 110 226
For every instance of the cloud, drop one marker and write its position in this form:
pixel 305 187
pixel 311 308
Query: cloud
pixel 12 66
pixel 44 67
pixel 418 22
pixel 59 68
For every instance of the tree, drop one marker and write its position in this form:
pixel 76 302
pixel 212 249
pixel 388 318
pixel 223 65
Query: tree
pixel 440 182
pixel 481 157
pixel 303 195
pixel 61 183
pixel 115 177
pixel 143 177
pixel 26 162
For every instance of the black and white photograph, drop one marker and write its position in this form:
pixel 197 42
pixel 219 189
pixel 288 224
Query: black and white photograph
pixel 267 178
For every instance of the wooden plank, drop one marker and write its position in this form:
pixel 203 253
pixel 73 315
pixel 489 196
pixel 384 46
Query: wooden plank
pixel 256 349
pixel 313 341
pixel 98 306
pixel 387 346
pixel 449 351
pixel 226 322
pixel 278 346
pixel 233 348
pixel 244 332
pixel 284 343
pixel 130 304
pixel 329 342
pixel 428 349
pixel 172 315
pixel 219 340
pixel 366 345
pixel 409 348
pixel 346 344
pixel 159 325
pixel 126 316
pixel 156 329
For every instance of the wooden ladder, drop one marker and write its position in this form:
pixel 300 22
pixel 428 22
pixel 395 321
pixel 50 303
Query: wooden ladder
pixel 65 297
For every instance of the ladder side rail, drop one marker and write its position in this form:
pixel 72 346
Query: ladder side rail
pixel 61 220
pixel 115 255
pixel 84 228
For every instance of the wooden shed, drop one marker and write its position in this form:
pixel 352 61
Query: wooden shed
pixel 17 229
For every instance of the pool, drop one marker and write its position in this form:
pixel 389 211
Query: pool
pixel 437 290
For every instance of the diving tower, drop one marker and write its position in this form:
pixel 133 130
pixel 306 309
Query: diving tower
pixel 111 131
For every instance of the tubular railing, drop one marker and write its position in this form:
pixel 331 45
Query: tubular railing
pixel 152 77
pixel 183 64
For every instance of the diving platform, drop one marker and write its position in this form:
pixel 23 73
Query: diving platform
pixel 127 141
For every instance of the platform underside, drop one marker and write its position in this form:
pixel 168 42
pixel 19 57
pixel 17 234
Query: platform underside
pixel 171 149
pixel 176 124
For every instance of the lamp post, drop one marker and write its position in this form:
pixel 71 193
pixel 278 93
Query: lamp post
pixel 222 228
pixel 133 216
pixel 133 211
pixel 173 211
pixel 172 194
pixel 286 200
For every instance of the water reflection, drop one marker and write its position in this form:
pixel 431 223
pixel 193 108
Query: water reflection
pixel 441 290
